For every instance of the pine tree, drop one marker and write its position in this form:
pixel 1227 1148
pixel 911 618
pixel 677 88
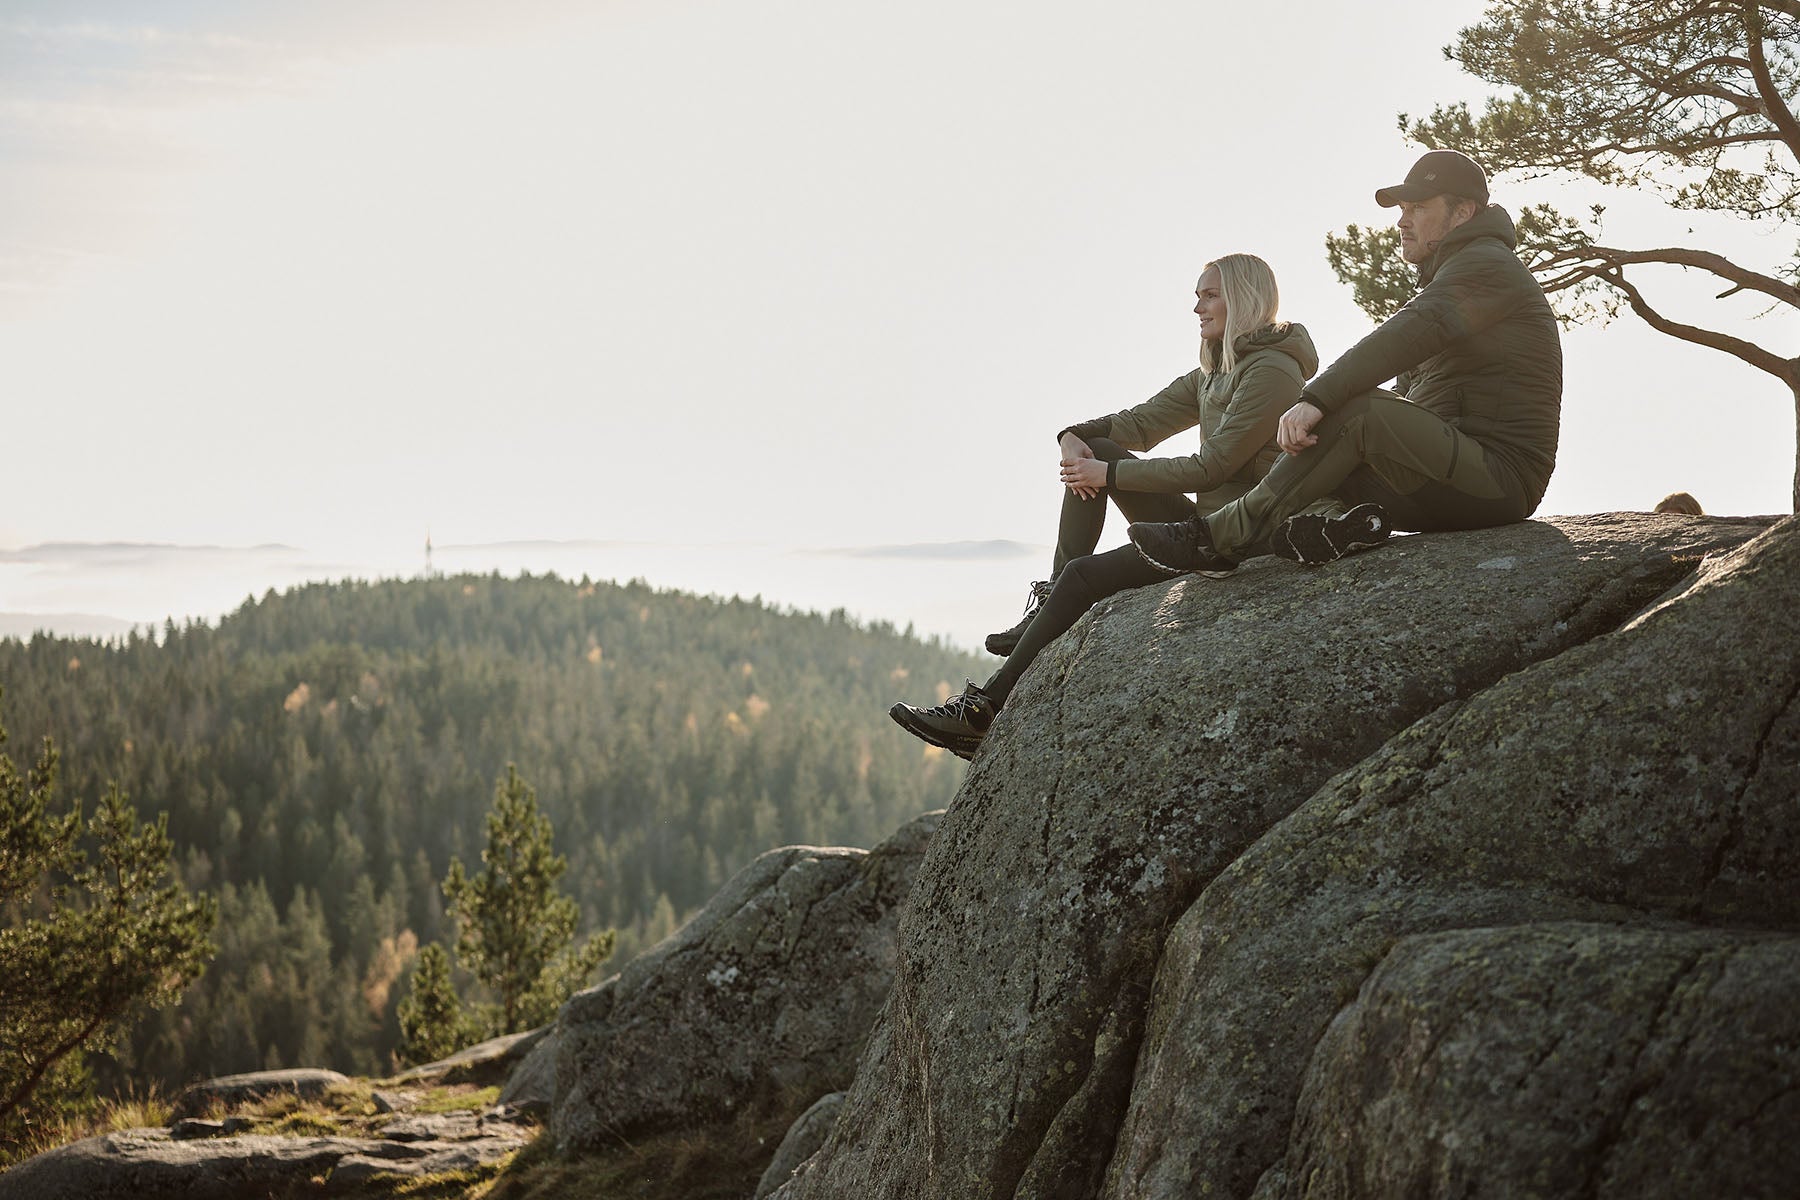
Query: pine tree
pixel 1689 99
pixel 87 944
pixel 515 931
pixel 433 1021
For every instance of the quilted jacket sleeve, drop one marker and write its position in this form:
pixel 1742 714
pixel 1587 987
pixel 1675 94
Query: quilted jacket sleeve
pixel 1472 291
pixel 1264 390
pixel 1175 408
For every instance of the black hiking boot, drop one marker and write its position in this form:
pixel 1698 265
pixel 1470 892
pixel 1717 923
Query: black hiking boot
pixel 1179 547
pixel 1312 540
pixel 957 725
pixel 1005 642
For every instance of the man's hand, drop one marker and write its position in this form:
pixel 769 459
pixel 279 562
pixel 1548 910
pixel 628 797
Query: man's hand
pixel 1295 433
pixel 1084 476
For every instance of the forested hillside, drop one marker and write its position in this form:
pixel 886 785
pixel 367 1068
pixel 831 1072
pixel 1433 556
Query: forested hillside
pixel 324 753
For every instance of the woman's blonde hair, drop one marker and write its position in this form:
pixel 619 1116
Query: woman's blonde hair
pixel 1251 302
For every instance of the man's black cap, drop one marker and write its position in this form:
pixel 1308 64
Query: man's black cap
pixel 1441 172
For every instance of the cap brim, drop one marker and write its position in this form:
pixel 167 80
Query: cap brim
pixel 1402 193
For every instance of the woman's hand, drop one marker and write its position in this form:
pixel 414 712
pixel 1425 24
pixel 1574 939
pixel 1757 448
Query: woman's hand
pixel 1295 434
pixel 1074 450
pixel 1084 476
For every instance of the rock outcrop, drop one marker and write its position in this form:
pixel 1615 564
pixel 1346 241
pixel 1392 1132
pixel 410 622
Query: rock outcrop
pixel 803 1140
pixel 1647 778
pixel 229 1091
pixel 1217 813
pixel 490 1062
pixel 761 1002
pixel 149 1164
pixel 531 1084
pixel 1557 1059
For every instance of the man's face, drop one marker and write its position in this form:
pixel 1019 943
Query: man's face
pixel 1423 224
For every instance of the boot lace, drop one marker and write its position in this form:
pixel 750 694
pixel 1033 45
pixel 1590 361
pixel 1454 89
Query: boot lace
pixel 961 707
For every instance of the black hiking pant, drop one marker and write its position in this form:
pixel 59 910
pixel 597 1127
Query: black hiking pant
pixel 1083 583
pixel 1078 529
pixel 1078 576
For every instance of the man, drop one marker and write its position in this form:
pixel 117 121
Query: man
pixel 1472 442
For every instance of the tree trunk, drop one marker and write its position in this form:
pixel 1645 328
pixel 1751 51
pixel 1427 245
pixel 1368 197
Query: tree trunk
pixel 1795 384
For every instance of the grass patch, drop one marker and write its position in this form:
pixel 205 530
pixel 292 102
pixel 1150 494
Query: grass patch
pixel 456 1098
pixel 147 1109
pixel 305 1123
pixel 345 1110
pixel 271 1107
pixel 150 1110
pixel 355 1098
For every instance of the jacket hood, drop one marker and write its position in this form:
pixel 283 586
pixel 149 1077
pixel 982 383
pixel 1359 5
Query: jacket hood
pixel 1492 221
pixel 1288 337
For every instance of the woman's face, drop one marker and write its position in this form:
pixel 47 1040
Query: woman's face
pixel 1209 305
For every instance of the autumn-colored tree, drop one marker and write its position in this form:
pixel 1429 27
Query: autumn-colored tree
pixel 1692 100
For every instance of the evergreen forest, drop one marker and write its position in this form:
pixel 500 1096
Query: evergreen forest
pixel 323 754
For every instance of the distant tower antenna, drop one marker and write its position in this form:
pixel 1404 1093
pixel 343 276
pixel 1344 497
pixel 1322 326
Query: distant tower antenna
pixel 429 573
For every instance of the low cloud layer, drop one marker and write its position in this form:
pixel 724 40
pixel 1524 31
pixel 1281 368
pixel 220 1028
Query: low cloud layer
pixel 134 554
pixel 989 550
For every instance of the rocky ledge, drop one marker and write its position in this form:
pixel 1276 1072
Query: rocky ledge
pixel 389 1145
pixel 1470 867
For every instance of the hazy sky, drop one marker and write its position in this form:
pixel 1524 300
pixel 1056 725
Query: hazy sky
pixel 804 272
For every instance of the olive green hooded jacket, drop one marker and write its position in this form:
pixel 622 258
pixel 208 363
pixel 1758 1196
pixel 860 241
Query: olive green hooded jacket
pixel 1478 346
pixel 1236 410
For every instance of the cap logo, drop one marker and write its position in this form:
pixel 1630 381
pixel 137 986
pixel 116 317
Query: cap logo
pixel 1431 176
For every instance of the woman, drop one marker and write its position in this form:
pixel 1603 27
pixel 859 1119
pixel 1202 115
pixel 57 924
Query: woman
pixel 1252 367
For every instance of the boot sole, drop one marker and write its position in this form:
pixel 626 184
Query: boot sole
pixel 1203 572
pixel 1314 541
pixel 1362 528
pixel 1302 539
pixel 1214 574
pixel 1000 645
pixel 962 747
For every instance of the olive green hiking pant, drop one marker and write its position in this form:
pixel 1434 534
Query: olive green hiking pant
pixel 1377 448
pixel 1078 531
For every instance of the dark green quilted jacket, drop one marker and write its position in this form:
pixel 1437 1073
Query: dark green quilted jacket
pixel 1478 346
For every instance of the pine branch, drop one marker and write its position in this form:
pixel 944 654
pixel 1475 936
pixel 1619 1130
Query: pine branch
pixel 1573 159
pixel 53 1056
pixel 1783 369
pixel 1705 260
pixel 1670 85
pixel 1773 103
pixel 1568 279
pixel 1717 60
